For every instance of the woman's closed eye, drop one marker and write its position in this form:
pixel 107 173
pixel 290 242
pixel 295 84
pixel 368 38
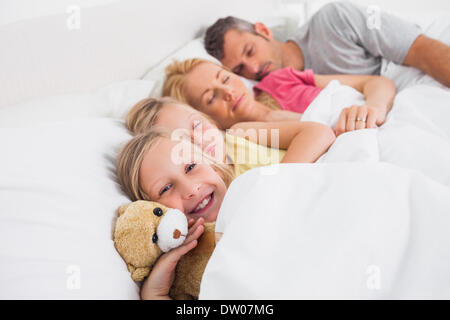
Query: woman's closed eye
pixel 211 99
pixel 213 96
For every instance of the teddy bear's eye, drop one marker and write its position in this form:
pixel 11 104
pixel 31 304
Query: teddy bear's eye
pixel 155 238
pixel 157 212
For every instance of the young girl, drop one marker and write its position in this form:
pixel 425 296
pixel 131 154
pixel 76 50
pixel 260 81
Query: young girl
pixel 282 95
pixel 147 171
pixel 150 167
pixel 245 146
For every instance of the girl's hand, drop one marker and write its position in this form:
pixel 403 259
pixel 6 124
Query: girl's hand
pixel 158 283
pixel 359 117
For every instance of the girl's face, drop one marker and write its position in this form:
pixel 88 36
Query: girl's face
pixel 194 188
pixel 194 124
pixel 219 94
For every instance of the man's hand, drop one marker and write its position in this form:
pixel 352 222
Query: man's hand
pixel 359 117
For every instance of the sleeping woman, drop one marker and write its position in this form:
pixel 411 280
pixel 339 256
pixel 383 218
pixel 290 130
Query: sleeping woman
pixel 282 95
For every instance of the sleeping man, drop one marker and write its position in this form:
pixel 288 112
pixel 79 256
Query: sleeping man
pixel 341 38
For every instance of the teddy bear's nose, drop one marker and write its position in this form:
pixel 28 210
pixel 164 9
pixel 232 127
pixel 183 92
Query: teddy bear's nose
pixel 176 234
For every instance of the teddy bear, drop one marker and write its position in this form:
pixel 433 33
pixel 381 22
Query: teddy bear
pixel 145 230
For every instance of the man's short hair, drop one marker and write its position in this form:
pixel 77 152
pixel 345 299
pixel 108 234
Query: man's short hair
pixel 214 37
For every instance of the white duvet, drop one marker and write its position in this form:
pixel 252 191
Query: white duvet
pixel 370 220
pixel 341 231
pixel 416 134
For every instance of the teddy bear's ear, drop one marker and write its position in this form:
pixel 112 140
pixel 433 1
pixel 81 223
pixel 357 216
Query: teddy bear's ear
pixel 122 209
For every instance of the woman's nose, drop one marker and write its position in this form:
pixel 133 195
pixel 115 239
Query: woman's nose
pixel 228 94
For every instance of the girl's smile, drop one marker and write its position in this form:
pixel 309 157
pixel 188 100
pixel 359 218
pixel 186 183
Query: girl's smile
pixel 194 188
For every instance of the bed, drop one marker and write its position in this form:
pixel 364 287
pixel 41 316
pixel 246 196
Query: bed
pixel 70 74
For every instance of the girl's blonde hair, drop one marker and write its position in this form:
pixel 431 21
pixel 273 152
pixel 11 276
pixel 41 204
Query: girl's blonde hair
pixel 176 75
pixel 267 100
pixel 144 114
pixel 130 158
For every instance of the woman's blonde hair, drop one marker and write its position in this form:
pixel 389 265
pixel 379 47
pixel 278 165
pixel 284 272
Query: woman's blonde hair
pixel 144 114
pixel 130 158
pixel 176 75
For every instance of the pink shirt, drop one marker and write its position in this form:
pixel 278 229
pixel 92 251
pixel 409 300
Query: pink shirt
pixel 294 90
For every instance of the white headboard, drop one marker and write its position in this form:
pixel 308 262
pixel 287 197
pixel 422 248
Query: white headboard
pixel 62 46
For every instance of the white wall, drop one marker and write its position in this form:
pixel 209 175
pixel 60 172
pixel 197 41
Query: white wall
pixel 48 50
pixel 19 10
pixel 43 52
pixel 405 8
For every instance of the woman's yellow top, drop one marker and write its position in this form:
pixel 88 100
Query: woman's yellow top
pixel 247 155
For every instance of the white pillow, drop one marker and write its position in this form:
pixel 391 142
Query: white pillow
pixel 58 202
pixel 193 49
pixel 113 101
